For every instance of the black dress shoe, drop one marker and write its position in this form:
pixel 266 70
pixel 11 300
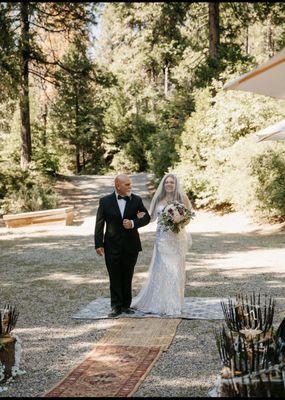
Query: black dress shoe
pixel 115 312
pixel 128 310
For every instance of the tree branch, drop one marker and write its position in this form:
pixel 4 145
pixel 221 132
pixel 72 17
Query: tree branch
pixel 59 64
pixel 49 30
pixel 39 9
pixel 33 72
pixel 14 30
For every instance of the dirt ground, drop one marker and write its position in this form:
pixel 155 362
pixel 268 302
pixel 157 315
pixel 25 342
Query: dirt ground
pixel 52 271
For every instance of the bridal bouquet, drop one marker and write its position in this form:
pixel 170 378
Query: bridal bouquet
pixel 175 216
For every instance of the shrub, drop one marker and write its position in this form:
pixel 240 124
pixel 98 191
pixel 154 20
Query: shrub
pixel 253 178
pixel 46 161
pixel 269 171
pixel 162 153
pixel 28 190
pixel 217 163
pixel 122 162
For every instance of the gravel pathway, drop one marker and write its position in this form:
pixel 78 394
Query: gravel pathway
pixel 52 271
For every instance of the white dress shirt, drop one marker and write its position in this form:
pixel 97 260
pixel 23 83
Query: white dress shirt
pixel 122 205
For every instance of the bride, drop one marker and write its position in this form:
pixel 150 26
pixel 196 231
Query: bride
pixel 163 290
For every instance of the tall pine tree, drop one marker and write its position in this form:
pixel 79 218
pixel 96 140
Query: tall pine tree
pixel 24 23
pixel 76 114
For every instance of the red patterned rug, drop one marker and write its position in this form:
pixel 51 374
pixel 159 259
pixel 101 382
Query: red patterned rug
pixel 108 371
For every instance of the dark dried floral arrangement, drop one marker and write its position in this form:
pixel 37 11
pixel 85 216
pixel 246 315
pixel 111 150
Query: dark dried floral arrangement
pixel 8 319
pixel 251 352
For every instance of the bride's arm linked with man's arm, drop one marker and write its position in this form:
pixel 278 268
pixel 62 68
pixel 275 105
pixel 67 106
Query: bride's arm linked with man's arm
pixel 143 217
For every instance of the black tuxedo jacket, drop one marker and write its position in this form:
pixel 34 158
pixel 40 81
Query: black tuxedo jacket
pixel 117 239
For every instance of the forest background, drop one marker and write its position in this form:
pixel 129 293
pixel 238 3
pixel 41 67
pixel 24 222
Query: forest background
pixel 96 88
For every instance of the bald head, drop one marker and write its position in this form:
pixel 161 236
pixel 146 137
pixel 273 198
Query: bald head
pixel 123 184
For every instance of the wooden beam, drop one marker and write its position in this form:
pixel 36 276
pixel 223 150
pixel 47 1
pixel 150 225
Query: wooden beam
pixel 40 217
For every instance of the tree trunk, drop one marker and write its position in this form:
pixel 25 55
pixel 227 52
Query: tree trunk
pixel 247 40
pixel 83 159
pixel 77 158
pixel 44 115
pixel 270 40
pixel 26 152
pixel 78 167
pixel 166 81
pixel 214 36
pixel 214 30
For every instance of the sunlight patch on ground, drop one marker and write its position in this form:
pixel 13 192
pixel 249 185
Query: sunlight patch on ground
pixel 141 275
pixel 255 260
pixel 85 346
pixel 204 284
pixel 60 333
pixel 185 353
pixel 203 222
pixel 210 222
pixel 236 272
pixel 51 229
pixel 5 284
pixel 184 337
pixel 76 279
pixel 35 349
pixel 184 382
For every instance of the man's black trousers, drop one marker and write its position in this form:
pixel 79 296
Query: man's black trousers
pixel 120 267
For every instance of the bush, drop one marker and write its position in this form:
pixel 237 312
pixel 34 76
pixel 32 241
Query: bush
pixel 217 164
pixel 46 161
pixel 122 162
pixel 253 178
pixel 269 171
pixel 44 150
pixel 162 153
pixel 28 190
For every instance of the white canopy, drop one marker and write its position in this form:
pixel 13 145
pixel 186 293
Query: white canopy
pixel 267 79
pixel 272 132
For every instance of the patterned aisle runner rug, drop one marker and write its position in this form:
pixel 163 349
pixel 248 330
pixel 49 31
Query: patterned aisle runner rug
pixel 146 332
pixel 108 371
pixel 194 308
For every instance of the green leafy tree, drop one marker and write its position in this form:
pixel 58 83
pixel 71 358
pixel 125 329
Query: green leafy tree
pixel 76 113
pixel 22 54
pixel 218 157
pixel 142 44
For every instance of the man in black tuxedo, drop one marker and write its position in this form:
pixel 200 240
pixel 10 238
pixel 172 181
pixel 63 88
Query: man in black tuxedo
pixel 121 242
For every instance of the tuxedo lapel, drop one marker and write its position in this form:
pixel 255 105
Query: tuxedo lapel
pixel 128 205
pixel 116 205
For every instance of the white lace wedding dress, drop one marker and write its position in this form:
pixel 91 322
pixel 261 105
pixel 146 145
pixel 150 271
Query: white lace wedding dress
pixel 163 290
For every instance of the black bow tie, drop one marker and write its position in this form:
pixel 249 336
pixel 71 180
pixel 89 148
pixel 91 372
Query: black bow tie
pixel 126 198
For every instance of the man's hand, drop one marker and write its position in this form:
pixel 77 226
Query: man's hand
pixel 127 223
pixel 100 251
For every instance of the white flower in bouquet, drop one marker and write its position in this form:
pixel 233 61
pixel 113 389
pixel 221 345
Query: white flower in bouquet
pixel 175 216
